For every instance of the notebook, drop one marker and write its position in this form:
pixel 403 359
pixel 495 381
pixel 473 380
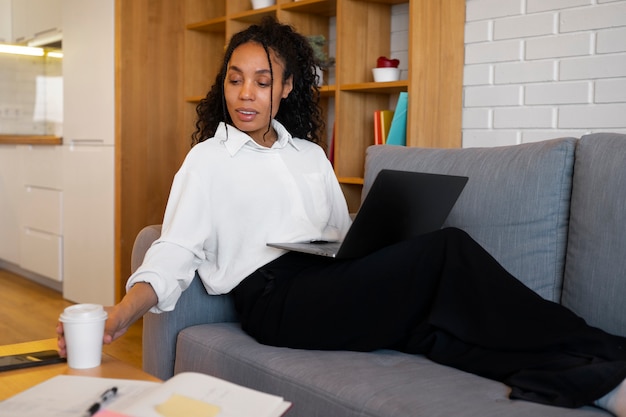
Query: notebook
pixel 400 205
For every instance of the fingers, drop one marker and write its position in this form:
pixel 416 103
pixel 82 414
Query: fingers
pixel 61 340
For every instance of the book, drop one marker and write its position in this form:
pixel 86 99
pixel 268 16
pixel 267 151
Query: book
pixel 382 123
pixel 385 123
pixel 397 131
pixel 188 394
pixel 378 133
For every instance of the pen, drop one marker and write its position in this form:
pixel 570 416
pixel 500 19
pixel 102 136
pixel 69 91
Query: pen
pixel 106 396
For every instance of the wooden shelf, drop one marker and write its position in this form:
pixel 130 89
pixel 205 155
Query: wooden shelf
pixel 212 25
pixel 351 180
pixel 319 7
pixel 363 28
pixel 383 1
pixel 390 87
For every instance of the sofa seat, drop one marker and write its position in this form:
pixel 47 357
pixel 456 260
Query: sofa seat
pixel 552 212
pixel 340 383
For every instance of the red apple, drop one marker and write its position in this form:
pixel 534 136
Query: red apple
pixel 384 62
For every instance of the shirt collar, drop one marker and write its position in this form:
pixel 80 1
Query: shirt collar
pixel 235 139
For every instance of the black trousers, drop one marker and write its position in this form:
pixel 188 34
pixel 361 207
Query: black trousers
pixel 441 295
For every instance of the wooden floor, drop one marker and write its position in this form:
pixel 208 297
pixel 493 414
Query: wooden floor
pixel 30 311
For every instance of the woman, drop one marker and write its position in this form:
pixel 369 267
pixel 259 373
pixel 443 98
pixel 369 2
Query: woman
pixel 256 175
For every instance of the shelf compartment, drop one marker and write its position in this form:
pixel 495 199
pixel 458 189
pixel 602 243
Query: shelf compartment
pixel 359 46
pixel 201 47
pixel 254 16
pixel 320 7
pixel 356 133
pixel 201 10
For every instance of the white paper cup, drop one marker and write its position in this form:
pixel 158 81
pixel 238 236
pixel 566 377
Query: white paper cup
pixel 386 74
pixel 83 327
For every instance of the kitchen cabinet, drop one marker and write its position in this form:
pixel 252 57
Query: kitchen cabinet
pixel 88 72
pixel 30 209
pixel 88 151
pixel 88 224
pixel 10 196
pixel 33 18
pixel 6 34
pixel 41 201
pixel 57 216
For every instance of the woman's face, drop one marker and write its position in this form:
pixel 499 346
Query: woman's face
pixel 248 93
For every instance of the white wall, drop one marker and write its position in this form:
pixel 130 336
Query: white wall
pixel 538 69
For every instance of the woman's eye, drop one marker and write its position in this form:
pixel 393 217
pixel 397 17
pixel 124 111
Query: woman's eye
pixel 234 79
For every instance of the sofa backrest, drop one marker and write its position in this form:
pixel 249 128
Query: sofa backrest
pixel 515 204
pixel 595 273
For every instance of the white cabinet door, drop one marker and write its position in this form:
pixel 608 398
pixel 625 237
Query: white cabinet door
pixel 42 253
pixel 10 196
pixel 88 224
pixel 88 72
pixel 42 209
pixel 88 137
pixel 42 166
pixel 5 22
pixel 41 242
pixel 41 202
pixel 33 18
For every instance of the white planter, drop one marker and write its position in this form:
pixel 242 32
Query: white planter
pixel 259 4
pixel 386 74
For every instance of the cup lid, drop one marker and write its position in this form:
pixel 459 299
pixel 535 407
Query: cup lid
pixel 82 312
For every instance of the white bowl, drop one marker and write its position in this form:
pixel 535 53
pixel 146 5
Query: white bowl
pixel 259 4
pixel 386 74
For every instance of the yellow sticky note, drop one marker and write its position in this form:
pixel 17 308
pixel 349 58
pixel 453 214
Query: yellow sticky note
pixel 180 406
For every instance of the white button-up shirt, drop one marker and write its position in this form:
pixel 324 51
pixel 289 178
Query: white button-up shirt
pixel 230 197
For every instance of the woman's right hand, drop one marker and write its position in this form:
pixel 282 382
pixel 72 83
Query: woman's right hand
pixel 114 327
pixel 138 301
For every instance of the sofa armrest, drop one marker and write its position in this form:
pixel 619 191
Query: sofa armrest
pixel 160 331
pixel 195 306
pixel 143 241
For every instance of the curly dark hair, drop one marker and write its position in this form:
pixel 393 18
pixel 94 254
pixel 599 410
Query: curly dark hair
pixel 300 112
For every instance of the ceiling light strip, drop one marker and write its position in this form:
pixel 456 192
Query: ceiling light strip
pixel 21 50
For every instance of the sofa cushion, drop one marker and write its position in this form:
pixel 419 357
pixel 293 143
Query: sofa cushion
pixel 595 273
pixel 350 384
pixel 515 204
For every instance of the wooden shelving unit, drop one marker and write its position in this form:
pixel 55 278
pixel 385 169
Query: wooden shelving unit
pixel 363 34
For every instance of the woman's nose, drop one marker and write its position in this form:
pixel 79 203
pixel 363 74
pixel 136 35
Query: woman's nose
pixel 246 92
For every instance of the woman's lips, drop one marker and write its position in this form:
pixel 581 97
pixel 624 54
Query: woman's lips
pixel 246 115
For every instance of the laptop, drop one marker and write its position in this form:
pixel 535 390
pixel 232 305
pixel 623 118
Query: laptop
pixel 400 205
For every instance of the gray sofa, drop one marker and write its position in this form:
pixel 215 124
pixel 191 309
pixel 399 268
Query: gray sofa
pixel 552 212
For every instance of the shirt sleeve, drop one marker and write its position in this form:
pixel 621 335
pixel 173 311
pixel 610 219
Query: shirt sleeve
pixel 170 263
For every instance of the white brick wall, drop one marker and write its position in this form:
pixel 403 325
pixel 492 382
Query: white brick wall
pixel 18 94
pixel 538 69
